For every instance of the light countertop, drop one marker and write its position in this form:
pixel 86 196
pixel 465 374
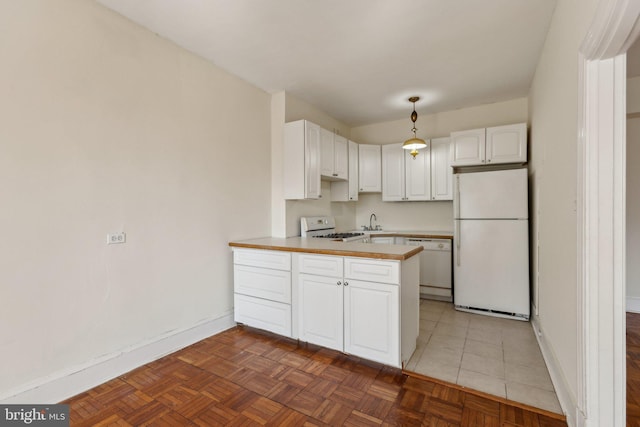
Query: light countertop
pixel 426 234
pixel 330 247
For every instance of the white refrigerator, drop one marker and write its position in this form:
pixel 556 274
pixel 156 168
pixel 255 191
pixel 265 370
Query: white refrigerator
pixel 491 243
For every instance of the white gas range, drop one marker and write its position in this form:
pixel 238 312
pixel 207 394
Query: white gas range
pixel 325 227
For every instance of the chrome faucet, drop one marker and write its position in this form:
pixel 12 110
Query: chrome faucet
pixel 373 216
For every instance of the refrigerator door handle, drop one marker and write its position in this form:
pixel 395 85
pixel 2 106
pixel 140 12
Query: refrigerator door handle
pixel 457 238
pixel 456 207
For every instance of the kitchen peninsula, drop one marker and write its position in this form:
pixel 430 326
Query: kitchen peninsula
pixel 358 298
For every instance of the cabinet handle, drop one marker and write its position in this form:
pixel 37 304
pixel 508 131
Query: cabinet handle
pixel 339 283
pixel 346 283
pixel 334 174
pixel 489 161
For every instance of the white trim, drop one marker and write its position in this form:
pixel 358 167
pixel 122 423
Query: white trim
pixel 601 363
pixel 633 304
pixel 562 389
pixel 72 381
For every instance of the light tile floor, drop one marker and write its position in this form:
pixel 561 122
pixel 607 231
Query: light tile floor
pixel 490 354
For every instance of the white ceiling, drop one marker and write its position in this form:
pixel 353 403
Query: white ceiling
pixel 359 60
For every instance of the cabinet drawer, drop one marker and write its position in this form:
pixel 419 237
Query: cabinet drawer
pixel 263 314
pixel 263 283
pixel 372 270
pixel 277 260
pixel 323 265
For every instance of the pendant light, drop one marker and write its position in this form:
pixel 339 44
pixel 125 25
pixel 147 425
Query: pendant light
pixel 415 143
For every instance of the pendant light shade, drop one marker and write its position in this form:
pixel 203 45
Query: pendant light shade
pixel 414 144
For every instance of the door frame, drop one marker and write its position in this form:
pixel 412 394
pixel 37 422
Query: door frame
pixel 601 394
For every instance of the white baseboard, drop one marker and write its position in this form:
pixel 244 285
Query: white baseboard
pixel 70 382
pixel 633 304
pixel 565 397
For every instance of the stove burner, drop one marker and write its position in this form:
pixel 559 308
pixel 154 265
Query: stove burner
pixel 340 235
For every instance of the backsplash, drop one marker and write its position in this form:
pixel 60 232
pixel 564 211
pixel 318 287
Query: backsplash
pixel 434 215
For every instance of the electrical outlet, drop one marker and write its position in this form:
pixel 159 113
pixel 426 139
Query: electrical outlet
pixel 113 238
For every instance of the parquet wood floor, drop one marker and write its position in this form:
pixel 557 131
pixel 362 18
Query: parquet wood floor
pixel 245 377
pixel 633 369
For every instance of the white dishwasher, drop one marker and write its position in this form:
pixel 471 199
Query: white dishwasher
pixel 435 268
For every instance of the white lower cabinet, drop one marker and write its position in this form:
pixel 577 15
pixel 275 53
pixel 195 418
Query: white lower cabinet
pixel 362 306
pixel 262 290
pixel 372 321
pixel 385 240
pixel 354 305
pixel 263 314
pixel 321 318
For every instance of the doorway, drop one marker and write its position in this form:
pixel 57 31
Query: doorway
pixel 601 214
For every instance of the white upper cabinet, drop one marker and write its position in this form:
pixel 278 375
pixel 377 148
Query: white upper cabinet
pixel 507 144
pixel 403 177
pixel 326 152
pixel 340 157
pixel 441 170
pixel 334 158
pixel 494 145
pixel 418 174
pixel 467 147
pixel 347 191
pixel 369 163
pixel 301 160
pixel 393 181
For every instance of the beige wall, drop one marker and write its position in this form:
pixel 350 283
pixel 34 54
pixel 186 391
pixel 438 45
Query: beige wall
pixel 553 159
pixel 633 195
pixel 442 124
pixel 106 127
pixel 427 215
pixel 633 95
pixel 278 203
pixel 633 213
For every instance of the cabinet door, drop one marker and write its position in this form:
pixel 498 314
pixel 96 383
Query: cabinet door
pixel 276 260
pixel 340 157
pixel 320 312
pixel 342 191
pixel 274 285
pixel 301 160
pixel 507 144
pixel 467 147
pixel 353 171
pixel 370 177
pixel 441 170
pixel 312 161
pixel 418 175
pixel 264 314
pixel 393 180
pixel 373 270
pixel 326 153
pixel 372 321
pixel 383 240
